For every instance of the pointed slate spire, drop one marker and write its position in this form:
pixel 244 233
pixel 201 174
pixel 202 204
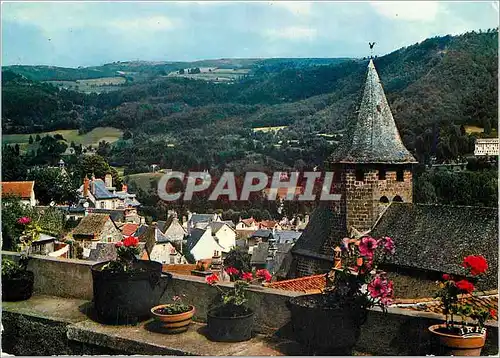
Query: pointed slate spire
pixel 373 138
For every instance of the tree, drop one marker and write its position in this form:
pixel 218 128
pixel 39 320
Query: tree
pixel 30 140
pixel 51 184
pixel 127 135
pixel 37 138
pixel 96 165
pixel 239 259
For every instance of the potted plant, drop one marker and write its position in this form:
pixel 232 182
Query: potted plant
pixel 330 322
pixel 175 316
pixel 17 280
pixel 125 289
pixel 467 337
pixel 232 319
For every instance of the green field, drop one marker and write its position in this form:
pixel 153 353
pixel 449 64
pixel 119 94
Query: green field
pixel 473 129
pixel 93 137
pixel 213 74
pixel 97 85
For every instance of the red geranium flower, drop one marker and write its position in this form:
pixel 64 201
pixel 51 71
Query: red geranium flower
pixel 264 274
pixel 465 286
pixel 446 277
pixel 24 220
pixel 476 264
pixel 232 271
pixel 212 279
pixel 247 276
pixel 131 241
pixel 493 313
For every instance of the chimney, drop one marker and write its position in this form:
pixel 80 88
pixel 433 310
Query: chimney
pixel 108 180
pixel 86 187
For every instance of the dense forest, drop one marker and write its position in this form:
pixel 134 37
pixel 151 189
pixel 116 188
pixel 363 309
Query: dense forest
pixel 436 89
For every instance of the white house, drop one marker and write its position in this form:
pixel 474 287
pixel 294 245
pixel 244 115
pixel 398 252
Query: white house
pixel 201 244
pixel 224 235
pixel 201 221
pixel 166 253
pixel 21 189
pixel 172 229
pixel 247 224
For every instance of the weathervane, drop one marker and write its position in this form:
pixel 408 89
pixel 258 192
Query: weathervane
pixel 371 48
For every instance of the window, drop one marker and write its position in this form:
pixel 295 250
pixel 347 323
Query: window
pixel 384 199
pixel 398 199
pixel 400 175
pixel 381 174
pixel 102 204
pixel 336 176
pixel 360 175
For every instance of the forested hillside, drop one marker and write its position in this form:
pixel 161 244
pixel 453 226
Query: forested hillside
pixel 435 89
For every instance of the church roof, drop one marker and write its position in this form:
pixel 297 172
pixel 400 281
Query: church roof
pixel 373 137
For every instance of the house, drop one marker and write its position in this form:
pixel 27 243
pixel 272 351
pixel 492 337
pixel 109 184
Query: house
pixel 201 221
pixel 44 245
pixel 247 224
pixel 285 236
pixel 95 228
pixel 21 189
pixel 223 234
pixel 101 195
pixel 128 229
pixel 486 146
pixel 374 172
pixel 173 229
pixel 260 254
pixel 165 253
pixel 259 236
pixel 201 244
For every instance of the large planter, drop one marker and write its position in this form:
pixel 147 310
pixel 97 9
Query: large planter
pixel 451 344
pixel 174 323
pixel 18 288
pixel 322 328
pixel 226 328
pixel 127 297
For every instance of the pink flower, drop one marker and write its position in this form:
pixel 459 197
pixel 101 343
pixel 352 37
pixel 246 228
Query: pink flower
pixel 388 244
pixel 381 288
pixel 367 246
pixel 232 271
pixel 176 298
pixel 212 279
pixel 247 276
pixel 446 277
pixel 24 220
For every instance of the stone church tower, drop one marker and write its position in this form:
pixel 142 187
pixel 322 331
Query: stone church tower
pixel 372 169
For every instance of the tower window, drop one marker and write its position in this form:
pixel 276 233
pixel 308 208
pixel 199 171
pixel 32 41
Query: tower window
pixel 360 175
pixel 398 199
pixel 400 175
pixel 384 200
pixel 381 174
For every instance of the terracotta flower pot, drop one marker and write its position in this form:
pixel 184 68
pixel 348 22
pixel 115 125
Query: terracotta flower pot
pixel 456 345
pixel 174 323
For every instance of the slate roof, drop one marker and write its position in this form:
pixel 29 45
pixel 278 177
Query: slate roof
pixel 194 237
pixel 216 226
pixel 260 253
pixel 141 230
pixel 286 236
pixel 100 191
pixel 229 223
pixel 22 189
pixel 373 137
pixel 201 218
pixel 308 284
pixel 438 237
pixel 90 225
pixel 264 233
pixel 318 230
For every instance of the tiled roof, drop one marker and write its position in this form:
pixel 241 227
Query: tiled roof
pixel 373 137
pixel 438 237
pixel 488 300
pixel 308 284
pixel 128 229
pixel 22 189
pixel 267 224
pixel 91 224
pixel 248 222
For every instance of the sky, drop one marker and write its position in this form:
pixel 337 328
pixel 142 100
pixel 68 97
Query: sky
pixel 72 34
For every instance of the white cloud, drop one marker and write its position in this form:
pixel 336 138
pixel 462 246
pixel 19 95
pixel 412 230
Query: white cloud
pixel 299 8
pixel 292 33
pixel 153 23
pixel 407 10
